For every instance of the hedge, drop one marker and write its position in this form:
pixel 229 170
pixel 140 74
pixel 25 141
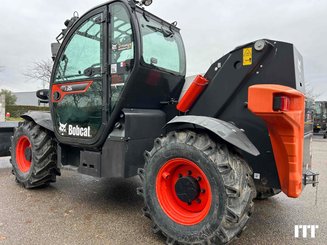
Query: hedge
pixel 18 110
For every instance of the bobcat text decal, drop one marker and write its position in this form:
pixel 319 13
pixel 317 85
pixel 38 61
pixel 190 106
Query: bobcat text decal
pixel 75 130
pixel 79 131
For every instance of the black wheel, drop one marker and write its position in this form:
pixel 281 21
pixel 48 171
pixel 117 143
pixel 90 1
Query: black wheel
pixel 266 192
pixel 33 155
pixel 196 191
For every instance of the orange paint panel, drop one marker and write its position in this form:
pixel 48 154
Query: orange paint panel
pixel 286 130
pixel 67 88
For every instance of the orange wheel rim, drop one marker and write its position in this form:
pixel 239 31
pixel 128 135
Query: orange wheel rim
pixel 23 154
pixel 189 210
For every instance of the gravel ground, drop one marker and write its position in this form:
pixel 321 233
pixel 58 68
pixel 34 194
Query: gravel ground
pixel 83 210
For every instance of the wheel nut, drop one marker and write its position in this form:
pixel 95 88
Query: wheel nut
pixel 203 191
pixel 199 178
pixel 165 175
pixel 198 201
pixel 180 175
pixel 189 172
pixel 189 203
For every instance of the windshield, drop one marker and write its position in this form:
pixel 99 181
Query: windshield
pixel 83 54
pixel 162 47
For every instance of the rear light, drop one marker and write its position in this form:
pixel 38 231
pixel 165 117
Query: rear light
pixel 281 103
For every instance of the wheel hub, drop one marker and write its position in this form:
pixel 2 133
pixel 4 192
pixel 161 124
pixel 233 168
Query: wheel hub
pixel 28 154
pixel 187 189
pixel 183 191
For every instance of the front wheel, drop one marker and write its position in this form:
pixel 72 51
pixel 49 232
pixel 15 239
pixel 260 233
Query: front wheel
pixel 196 191
pixel 33 155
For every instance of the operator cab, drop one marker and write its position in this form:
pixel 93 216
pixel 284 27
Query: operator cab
pixel 115 56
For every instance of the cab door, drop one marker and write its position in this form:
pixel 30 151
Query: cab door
pixel 79 100
pixel 122 50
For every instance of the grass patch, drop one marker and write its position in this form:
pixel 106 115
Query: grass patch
pixel 14 119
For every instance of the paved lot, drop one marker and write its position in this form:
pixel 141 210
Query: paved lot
pixel 83 210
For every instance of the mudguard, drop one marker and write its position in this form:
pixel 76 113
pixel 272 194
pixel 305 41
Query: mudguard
pixel 226 131
pixel 41 118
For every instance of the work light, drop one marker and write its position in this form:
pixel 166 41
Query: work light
pixel 147 2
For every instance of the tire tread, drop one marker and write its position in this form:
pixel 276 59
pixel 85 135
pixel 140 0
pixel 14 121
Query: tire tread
pixel 236 175
pixel 44 156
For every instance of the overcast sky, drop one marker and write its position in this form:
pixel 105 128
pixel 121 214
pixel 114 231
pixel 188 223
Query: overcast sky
pixel 210 29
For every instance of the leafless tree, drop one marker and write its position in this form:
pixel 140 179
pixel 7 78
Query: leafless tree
pixel 310 92
pixel 41 71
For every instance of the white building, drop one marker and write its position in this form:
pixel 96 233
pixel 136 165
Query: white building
pixel 27 98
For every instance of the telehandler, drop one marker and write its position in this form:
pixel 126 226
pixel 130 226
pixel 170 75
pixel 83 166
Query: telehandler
pixel 120 107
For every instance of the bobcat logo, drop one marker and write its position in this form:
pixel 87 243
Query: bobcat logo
pixel 62 128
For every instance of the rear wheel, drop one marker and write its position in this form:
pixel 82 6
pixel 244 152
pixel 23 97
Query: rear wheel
pixel 196 191
pixel 33 155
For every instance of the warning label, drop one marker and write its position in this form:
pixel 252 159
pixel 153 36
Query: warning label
pixel 247 56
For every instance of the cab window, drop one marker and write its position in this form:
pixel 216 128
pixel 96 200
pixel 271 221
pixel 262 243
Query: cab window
pixel 122 50
pixel 83 53
pixel 162 47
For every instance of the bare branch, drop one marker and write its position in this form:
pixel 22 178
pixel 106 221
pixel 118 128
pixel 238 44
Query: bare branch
pixel 309 91
pixel 40 70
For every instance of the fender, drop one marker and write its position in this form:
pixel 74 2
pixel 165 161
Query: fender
pixel 41 118
pixel 226 131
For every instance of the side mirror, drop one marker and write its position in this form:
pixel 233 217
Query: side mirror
pixel 43 95
pixel 54 50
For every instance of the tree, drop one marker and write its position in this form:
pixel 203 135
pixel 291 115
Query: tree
pixel 9 96
pixel 310 92
pixel 41 71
